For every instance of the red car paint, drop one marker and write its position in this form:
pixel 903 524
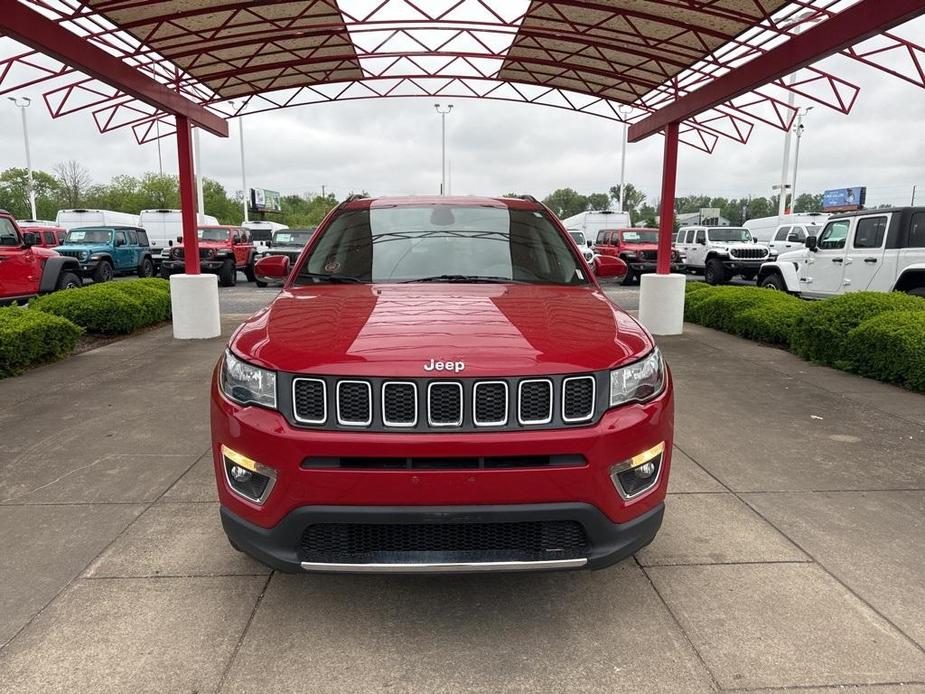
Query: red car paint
pixel 25 270
pixel 391 331
pixel 48 237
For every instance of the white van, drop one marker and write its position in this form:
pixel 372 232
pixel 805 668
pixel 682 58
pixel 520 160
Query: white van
pixel 262 231
pixel 71 219
pixel 589 223
pixel 165 226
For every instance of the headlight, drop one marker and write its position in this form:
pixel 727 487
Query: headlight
pixel 773 252
pixel 247 384
pixel 210 253
pixel 638 382
pixel 630 256
pixel 84 255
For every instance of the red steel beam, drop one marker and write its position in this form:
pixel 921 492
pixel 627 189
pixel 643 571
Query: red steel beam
pixel 187 197
pixel 861 21
pixel 46 36
pixel 666 216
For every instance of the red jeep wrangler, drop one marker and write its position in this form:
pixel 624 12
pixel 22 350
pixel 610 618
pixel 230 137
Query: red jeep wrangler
pixel 223 250
pixel 27 269
pixel 441 386
pixel 637 248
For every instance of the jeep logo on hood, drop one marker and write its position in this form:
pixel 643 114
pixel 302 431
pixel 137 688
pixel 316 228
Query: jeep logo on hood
pixel 455 366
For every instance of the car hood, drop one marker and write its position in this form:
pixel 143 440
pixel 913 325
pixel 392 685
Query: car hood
pixel 394 330
pixel 730 245
pixel 69 249
pixel 794 256
pixel 636 247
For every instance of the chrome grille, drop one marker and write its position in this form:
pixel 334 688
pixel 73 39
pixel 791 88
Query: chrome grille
pixel 70 252
pixel 427 404
pixel 748 253
pixel 445 404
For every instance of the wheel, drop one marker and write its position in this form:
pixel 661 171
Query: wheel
pixel 630 277
pixel 103 272
pixel 714 272
pixel 146 269
pixel 249 272
pixel 260 283
pixel 68 280
pixel 165 273
pixel 228 274
pixel 773 281
pixel 917 291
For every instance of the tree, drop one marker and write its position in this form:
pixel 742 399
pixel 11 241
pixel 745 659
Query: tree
pixel 634 197
pixel 160 191
pixel 217 203
pixel 14 193
pixel 73 182
pixel 566 202
pixel 599 201
pixel 807 202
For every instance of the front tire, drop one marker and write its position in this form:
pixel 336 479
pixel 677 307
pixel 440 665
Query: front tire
pixel 773 281
pixel 67 280
pixel 714 272
pixel 249 272
pixel 146 269
pixel 165 273
pixel 260 283
pixel 630 277
pixel 228 274
pixel 103 272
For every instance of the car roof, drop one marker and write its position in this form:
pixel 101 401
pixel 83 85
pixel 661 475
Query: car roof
pixel 449 200
pixel 885 210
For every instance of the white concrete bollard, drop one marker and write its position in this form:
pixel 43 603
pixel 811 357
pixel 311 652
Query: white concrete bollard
pixel 661 303
pixel 194 303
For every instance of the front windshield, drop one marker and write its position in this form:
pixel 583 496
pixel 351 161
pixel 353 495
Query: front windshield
pixel 730 234
pixel 466 243
pixel 212 234
pixel 88 236
pixel 291 238
pixel 579 237
pixel 633 236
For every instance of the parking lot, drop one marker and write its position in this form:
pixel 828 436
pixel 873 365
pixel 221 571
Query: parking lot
pixel 790 557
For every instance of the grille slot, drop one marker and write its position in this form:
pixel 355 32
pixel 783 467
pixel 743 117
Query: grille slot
pixel 310 400
pixel 399 404
pixel 535 401
pixel 372 542
pixel 354 403
pixel 578 399
pixel 445 404
pixel 489 403
pixel 488 463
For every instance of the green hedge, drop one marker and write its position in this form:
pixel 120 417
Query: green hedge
pixel 111 308
pixel 874 334
pixel 890 347
pixel 30 337
pixel 820 334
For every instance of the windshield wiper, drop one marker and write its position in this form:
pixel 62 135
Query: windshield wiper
pixel 334 279
pixel 484 279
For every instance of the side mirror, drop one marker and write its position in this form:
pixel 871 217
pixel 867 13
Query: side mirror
pixel 236 239
pixel 120 242
pixel 170 242
pixel 270 243
pixel 179 239
pixel 590 243
pixel 610 266
pixel 30 239
pixel 793 238
pixel 811 243
pixel 273 267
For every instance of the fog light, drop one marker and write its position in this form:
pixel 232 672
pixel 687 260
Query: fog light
pixel 638 474
pixel 247 478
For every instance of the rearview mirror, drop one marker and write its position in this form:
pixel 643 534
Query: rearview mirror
pixel 30 239
pixel 811 243
pixel 609 266
pixel 273 267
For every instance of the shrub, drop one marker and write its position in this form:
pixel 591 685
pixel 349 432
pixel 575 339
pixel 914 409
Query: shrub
pixel 111 308
pixel 772 322
pixel 819 333
pixel 152 282
pixel 889 347
pixel 693 287
pixel 693 300
pixel 30 337
pixel 723 306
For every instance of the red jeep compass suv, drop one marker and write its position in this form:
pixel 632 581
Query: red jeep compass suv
pixel 441 386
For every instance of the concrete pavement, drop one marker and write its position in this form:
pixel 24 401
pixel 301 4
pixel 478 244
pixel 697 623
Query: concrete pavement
pixel 790 558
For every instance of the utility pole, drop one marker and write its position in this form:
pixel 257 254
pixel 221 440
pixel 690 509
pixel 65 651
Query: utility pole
pixel 160 161
pixel 798 130
pixel 443 115
pixel 913 195
pixel 322 191
pixel 625 111
pixel 244 190
pixel 22 103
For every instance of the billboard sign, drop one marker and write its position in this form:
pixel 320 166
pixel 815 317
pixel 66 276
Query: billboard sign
pixel 844 199
pixel 265 200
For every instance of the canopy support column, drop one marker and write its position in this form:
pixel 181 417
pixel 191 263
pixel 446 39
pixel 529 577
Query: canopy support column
pixel 661 296
pixel 193 296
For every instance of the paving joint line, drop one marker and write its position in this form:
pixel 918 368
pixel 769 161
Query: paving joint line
pixel 240 642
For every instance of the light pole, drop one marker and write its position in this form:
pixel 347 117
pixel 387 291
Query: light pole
pixel 22 103
pixel 798 131
pixel 243 174
pixel 624 110
pixel 197 172
pixel 160 161
pixel 443 145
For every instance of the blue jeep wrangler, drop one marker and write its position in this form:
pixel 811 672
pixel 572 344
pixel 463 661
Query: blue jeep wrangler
pixel 104 252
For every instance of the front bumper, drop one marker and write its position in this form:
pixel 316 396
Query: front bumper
pixel 740 265
pixel 173 266
pixel 608 542
pixel 642 267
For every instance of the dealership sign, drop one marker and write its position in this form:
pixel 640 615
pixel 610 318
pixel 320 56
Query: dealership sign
pixel 844 199
pixel 265 200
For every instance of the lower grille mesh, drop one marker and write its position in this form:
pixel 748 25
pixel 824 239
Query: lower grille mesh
pixel 370 543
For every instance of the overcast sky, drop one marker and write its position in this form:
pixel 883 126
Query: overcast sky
pixel 393 146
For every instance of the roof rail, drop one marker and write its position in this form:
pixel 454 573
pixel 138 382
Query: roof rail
pixel 528 198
